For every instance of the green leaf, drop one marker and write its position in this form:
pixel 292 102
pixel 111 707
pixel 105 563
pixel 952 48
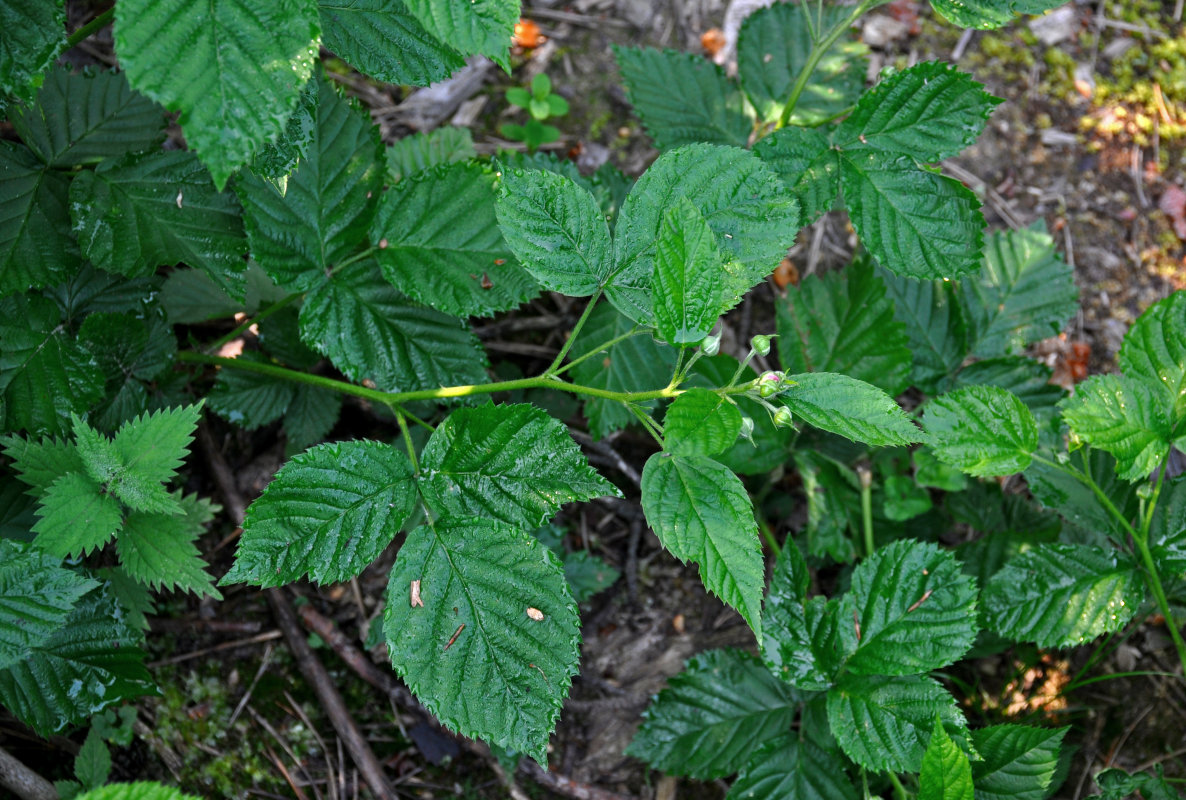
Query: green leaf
pixel 1062 595
pixel 1027 378
pixel 133 597
pixel 478 26
pixel 422 151
pixel 32 34
pixel 1118 415
pixel 627 366
pixel 915 222
pixel 885 723
pixel 929 111
pixel 686 282
pixel 129 349
pixel 914 610
pixel 1017 762
pixel 713 715
pixel 945 773
pixel 773 49
pixel 99 457
pixel 741 199
pixel 1024 293
pixel 92 765
pixel 439 243
pixel 297 235
pixel 311 415
pixel 556 229
pixel 381 38
pixel 511 463
pixel 1167 532
pixel 844 322
pixel 76 516
pixel 328 514
pixel 1116 784
pixel 799 642
pixel 90 663
pixel 935 329
pixel 770 442
pixel 40 463
pixel 701 423
pixel 790 767
pixel 371 332
pixel 987 14
pixel 683 99
pixel 250 399
pixel 807 164
pixel 491 642
pixel 982 430
pixel 140 212
pixel 160 552
pixel 135 791
pixel 1154 353
pixel 36 596
pixel 587 574
pixel 701 512
pixel 36 246
pixel 850 408
pixel 234 69
pixel 1075 501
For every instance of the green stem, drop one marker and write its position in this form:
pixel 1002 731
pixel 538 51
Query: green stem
pixel 345 262
pixel 647 423
pixel 768 535
pixel 598 350
pixel 899 789
pixel 95 24
pixel 817 53
pixel 407 436
pixel 247 323
pixel 1086 480
pixel 1154 577
pixel 866 478
pixel 572 337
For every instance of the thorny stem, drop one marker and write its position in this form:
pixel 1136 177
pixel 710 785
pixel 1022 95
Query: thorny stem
pixel 247 323
pixel 572 337
pixel 95 24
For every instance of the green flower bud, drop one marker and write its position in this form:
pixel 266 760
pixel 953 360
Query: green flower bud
pixel 760 345
pixel 783 417
pixel 711 345
pixel 770 384
pixel 747 429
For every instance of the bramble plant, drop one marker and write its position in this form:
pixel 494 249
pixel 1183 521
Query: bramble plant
pixel 288 210
pixel 540 104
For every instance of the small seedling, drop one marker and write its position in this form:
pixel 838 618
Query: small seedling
pixel 540 104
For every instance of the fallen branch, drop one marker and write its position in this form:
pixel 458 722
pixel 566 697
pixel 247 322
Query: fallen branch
pixel 22 781
pixel 562 784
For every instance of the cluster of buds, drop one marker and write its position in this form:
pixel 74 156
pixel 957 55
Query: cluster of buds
pixel 771 383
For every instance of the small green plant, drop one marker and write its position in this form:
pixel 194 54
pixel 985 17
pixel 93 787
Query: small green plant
pixel 540 105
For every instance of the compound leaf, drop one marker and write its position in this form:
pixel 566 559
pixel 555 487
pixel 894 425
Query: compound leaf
pixel 850 408
pixel 32 34
pixel 701 512
pixel 945 773
pixel 936 333
pixel 713 715
pixel 1121 416
pixel 808 165
pixel 682 98
pixel 330 512
pixel 311 415
pixel 700 422
pixel 36 246
pixel 37 595
pixel 511 462
pixel 930 111
pixel 427 149
pixel 556 229
pixel 686 283
pixel 1017 762
pixel 982 430
pixel 76 516
pixel 790 767
pixel 915 222
pixel 439 243
pixel 987 14
pixel 478 26
pixel 250 399
pixel 234 69
pixel 381 38
pixel 1154 352
pixel 481 626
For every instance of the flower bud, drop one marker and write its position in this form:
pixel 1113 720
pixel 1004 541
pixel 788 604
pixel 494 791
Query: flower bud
pixel 747 429
pixel 711 345
pixel 770 384
pixel 760 345
pixel 783 417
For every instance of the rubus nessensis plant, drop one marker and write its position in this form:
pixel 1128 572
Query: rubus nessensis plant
pixel 357 267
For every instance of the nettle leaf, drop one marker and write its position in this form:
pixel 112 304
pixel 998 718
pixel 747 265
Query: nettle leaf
pixel 90 663
pixel 250 399
pixel 982 430
pixel 701 512
pixel 31 37
pixel 40 463
pixel 788 766
pixel 686 283
pixel 1024 293
pixel 425 150
pixel 713 715
pixel 1017 762
pixel 330 512
pixel 701 423
pixel 45 374
pixel 930 111
pixel 155 445
pixel 140 212
pixel 799 642
pixel 143 790
pixel 83 117
pixel 1121 416
pixel 772 50
pixel 945 773
pixel 480 26
pixel 935 329
pixel 481 626
pixel 381 38
pixel 92 765
pixel 629 365
pixel 987 14
pixel 160 551
pixel 844 322
pixel 37 595
pixel 770 441
pixel 915 222
pixel 234 69
pixel 116 471
pixel 297 235
pixel 808 165
pixel 372 332
pixel 850 408
pixel 682 98
pixel 741 199
pixel 556 229
pixel 511 463
pixel 439 243
pixel 1154 353
pixel 885 723
pixel 1060 595
pixel 915 610
pixel 36 246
